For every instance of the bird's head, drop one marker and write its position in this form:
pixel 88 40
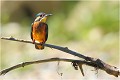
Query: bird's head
pixel 42 17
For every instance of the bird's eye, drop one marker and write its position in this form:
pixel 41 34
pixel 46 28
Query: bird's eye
pixel 41 15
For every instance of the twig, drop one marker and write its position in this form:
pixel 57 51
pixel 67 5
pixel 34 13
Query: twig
pixel 64 49
pixel 90 61
pixel 43 61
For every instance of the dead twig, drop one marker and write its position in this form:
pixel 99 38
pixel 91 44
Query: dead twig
pixel 43 61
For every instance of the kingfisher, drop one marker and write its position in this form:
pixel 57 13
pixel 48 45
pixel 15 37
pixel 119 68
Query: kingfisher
pixel 39 30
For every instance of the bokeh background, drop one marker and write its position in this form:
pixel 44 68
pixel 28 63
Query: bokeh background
pixel 88 27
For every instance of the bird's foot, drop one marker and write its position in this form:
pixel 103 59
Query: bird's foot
pixel 33 42
pixel 41 43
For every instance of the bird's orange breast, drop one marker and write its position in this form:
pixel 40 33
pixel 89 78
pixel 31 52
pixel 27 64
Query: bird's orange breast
pixel 39 32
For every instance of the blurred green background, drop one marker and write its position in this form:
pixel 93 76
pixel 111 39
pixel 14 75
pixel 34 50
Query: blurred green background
pixel 88 27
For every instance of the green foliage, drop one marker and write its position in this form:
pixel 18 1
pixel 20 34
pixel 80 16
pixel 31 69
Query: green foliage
pixel 107 17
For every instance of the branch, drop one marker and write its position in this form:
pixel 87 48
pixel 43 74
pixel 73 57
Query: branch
pixel 97 63
pixel 78 62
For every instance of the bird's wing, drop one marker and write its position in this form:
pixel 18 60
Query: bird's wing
pixel 46 30
pixel 31 31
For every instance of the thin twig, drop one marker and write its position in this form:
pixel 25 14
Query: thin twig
pixel 42 61
pixel 90 61
pixel 64 49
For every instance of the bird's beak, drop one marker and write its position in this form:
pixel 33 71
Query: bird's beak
pixel 48 15
pixel 43 19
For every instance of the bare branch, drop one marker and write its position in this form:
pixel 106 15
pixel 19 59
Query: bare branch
pixel 80 66
pixel 97 63
pixel 43 61
pixel 64 49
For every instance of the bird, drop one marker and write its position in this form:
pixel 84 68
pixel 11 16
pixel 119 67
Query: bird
pixel 39 30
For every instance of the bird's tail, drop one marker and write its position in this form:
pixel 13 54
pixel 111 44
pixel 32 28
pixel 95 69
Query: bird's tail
pixel 39 46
